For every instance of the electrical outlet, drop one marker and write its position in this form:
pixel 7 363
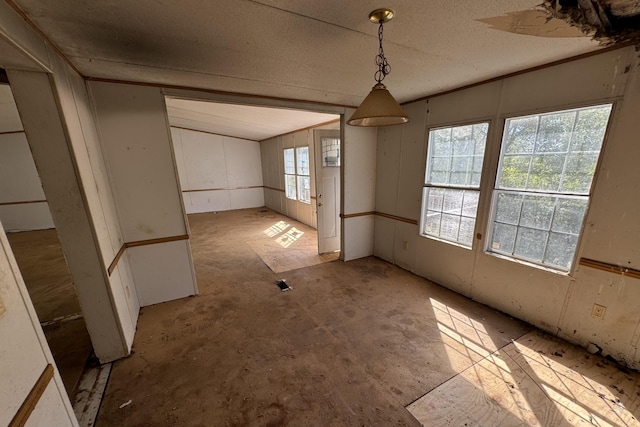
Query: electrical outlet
pixel 598 311
pixel 405 245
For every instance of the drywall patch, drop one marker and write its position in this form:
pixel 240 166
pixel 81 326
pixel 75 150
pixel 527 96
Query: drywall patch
pixel 536 23
pixel 607 21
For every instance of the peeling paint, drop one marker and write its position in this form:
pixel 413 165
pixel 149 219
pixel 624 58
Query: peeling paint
pixel 532 23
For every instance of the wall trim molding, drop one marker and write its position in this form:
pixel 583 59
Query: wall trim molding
pixel 354 215
pixel 273 188
pixel 382 214
pixel 31 401
pixel 306 128
pixel 223 188
pixel 10 132
pixel 138 243
pixel 24 202
pixel 397 218
pixel 611 268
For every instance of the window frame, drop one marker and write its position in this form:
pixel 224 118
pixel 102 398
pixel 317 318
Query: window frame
pixel 426 186
pixel 292 192
pixel 300 176
pixel 495 190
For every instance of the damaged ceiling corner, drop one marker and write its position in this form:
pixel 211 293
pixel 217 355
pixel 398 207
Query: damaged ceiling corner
pixel 607 21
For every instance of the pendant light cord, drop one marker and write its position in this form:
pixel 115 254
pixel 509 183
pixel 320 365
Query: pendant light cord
pixel 383 65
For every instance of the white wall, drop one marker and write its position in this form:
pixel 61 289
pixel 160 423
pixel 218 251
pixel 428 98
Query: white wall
pixel 560 304
pixel 217 173
pixel 22 201
pixel 358 190
pixel 24 352
pixel 136 143
pixel 272 155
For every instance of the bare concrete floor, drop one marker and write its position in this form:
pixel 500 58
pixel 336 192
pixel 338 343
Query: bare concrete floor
pixel 44 270
pixel 352 344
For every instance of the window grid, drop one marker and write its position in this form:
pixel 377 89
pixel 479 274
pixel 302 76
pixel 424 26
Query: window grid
pixel 539 217
pixel 330 152
pixel 296 177
pixel 289 173
pixel 452 182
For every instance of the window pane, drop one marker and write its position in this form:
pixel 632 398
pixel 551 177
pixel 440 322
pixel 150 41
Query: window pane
pixel 590 128
pixel 441 139
pixel 530 217
pixel 537 212
pixel 302 157
pixel 465 235
pixel 547 161
pixel 503 238
pixel 432 223
pixel 330 152
pixel 554 132
pixel 435 199
pixel 530 244
pixel 454 159
pixel 515 171
pixel 289 161
pixel 290 186
pixel 520 135
pixel 460 171
pixel 450 214
pixel 569 215
pixel 579 173
pixel 455 155
pixel 470 203
pixel 304 189
pixel 508 208
pixel 449 227
pixel 452 201
pixel 560 250
pixel 546 172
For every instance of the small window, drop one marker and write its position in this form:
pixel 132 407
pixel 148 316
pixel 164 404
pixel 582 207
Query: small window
pixel 547 164
pixel 452 183
pixel 304 182
pixel 296 174
pixel 330 152
pixel 290 173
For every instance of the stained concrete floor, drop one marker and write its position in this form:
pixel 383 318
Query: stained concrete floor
pixel 50 286
pixel 352 344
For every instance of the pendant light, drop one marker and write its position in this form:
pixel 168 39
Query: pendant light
pixel 379 108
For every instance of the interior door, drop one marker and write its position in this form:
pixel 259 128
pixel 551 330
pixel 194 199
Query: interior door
pixel 328 161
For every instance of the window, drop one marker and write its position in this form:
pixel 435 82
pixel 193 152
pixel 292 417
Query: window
pixel 296 174
pixel 547 163
pixel 452 182
pixel 290 173
pixel 304 182
pixel 330 152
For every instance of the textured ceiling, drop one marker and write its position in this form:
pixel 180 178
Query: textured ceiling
pixel 310 50
pixel 241 121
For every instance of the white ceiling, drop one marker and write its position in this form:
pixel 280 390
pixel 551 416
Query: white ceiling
pixel 241 121
pixel 311 50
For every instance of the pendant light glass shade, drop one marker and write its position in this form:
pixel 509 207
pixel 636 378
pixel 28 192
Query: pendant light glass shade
pixel 379 108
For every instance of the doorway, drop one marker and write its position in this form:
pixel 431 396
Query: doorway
pixel 25 216
pixel 232 157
